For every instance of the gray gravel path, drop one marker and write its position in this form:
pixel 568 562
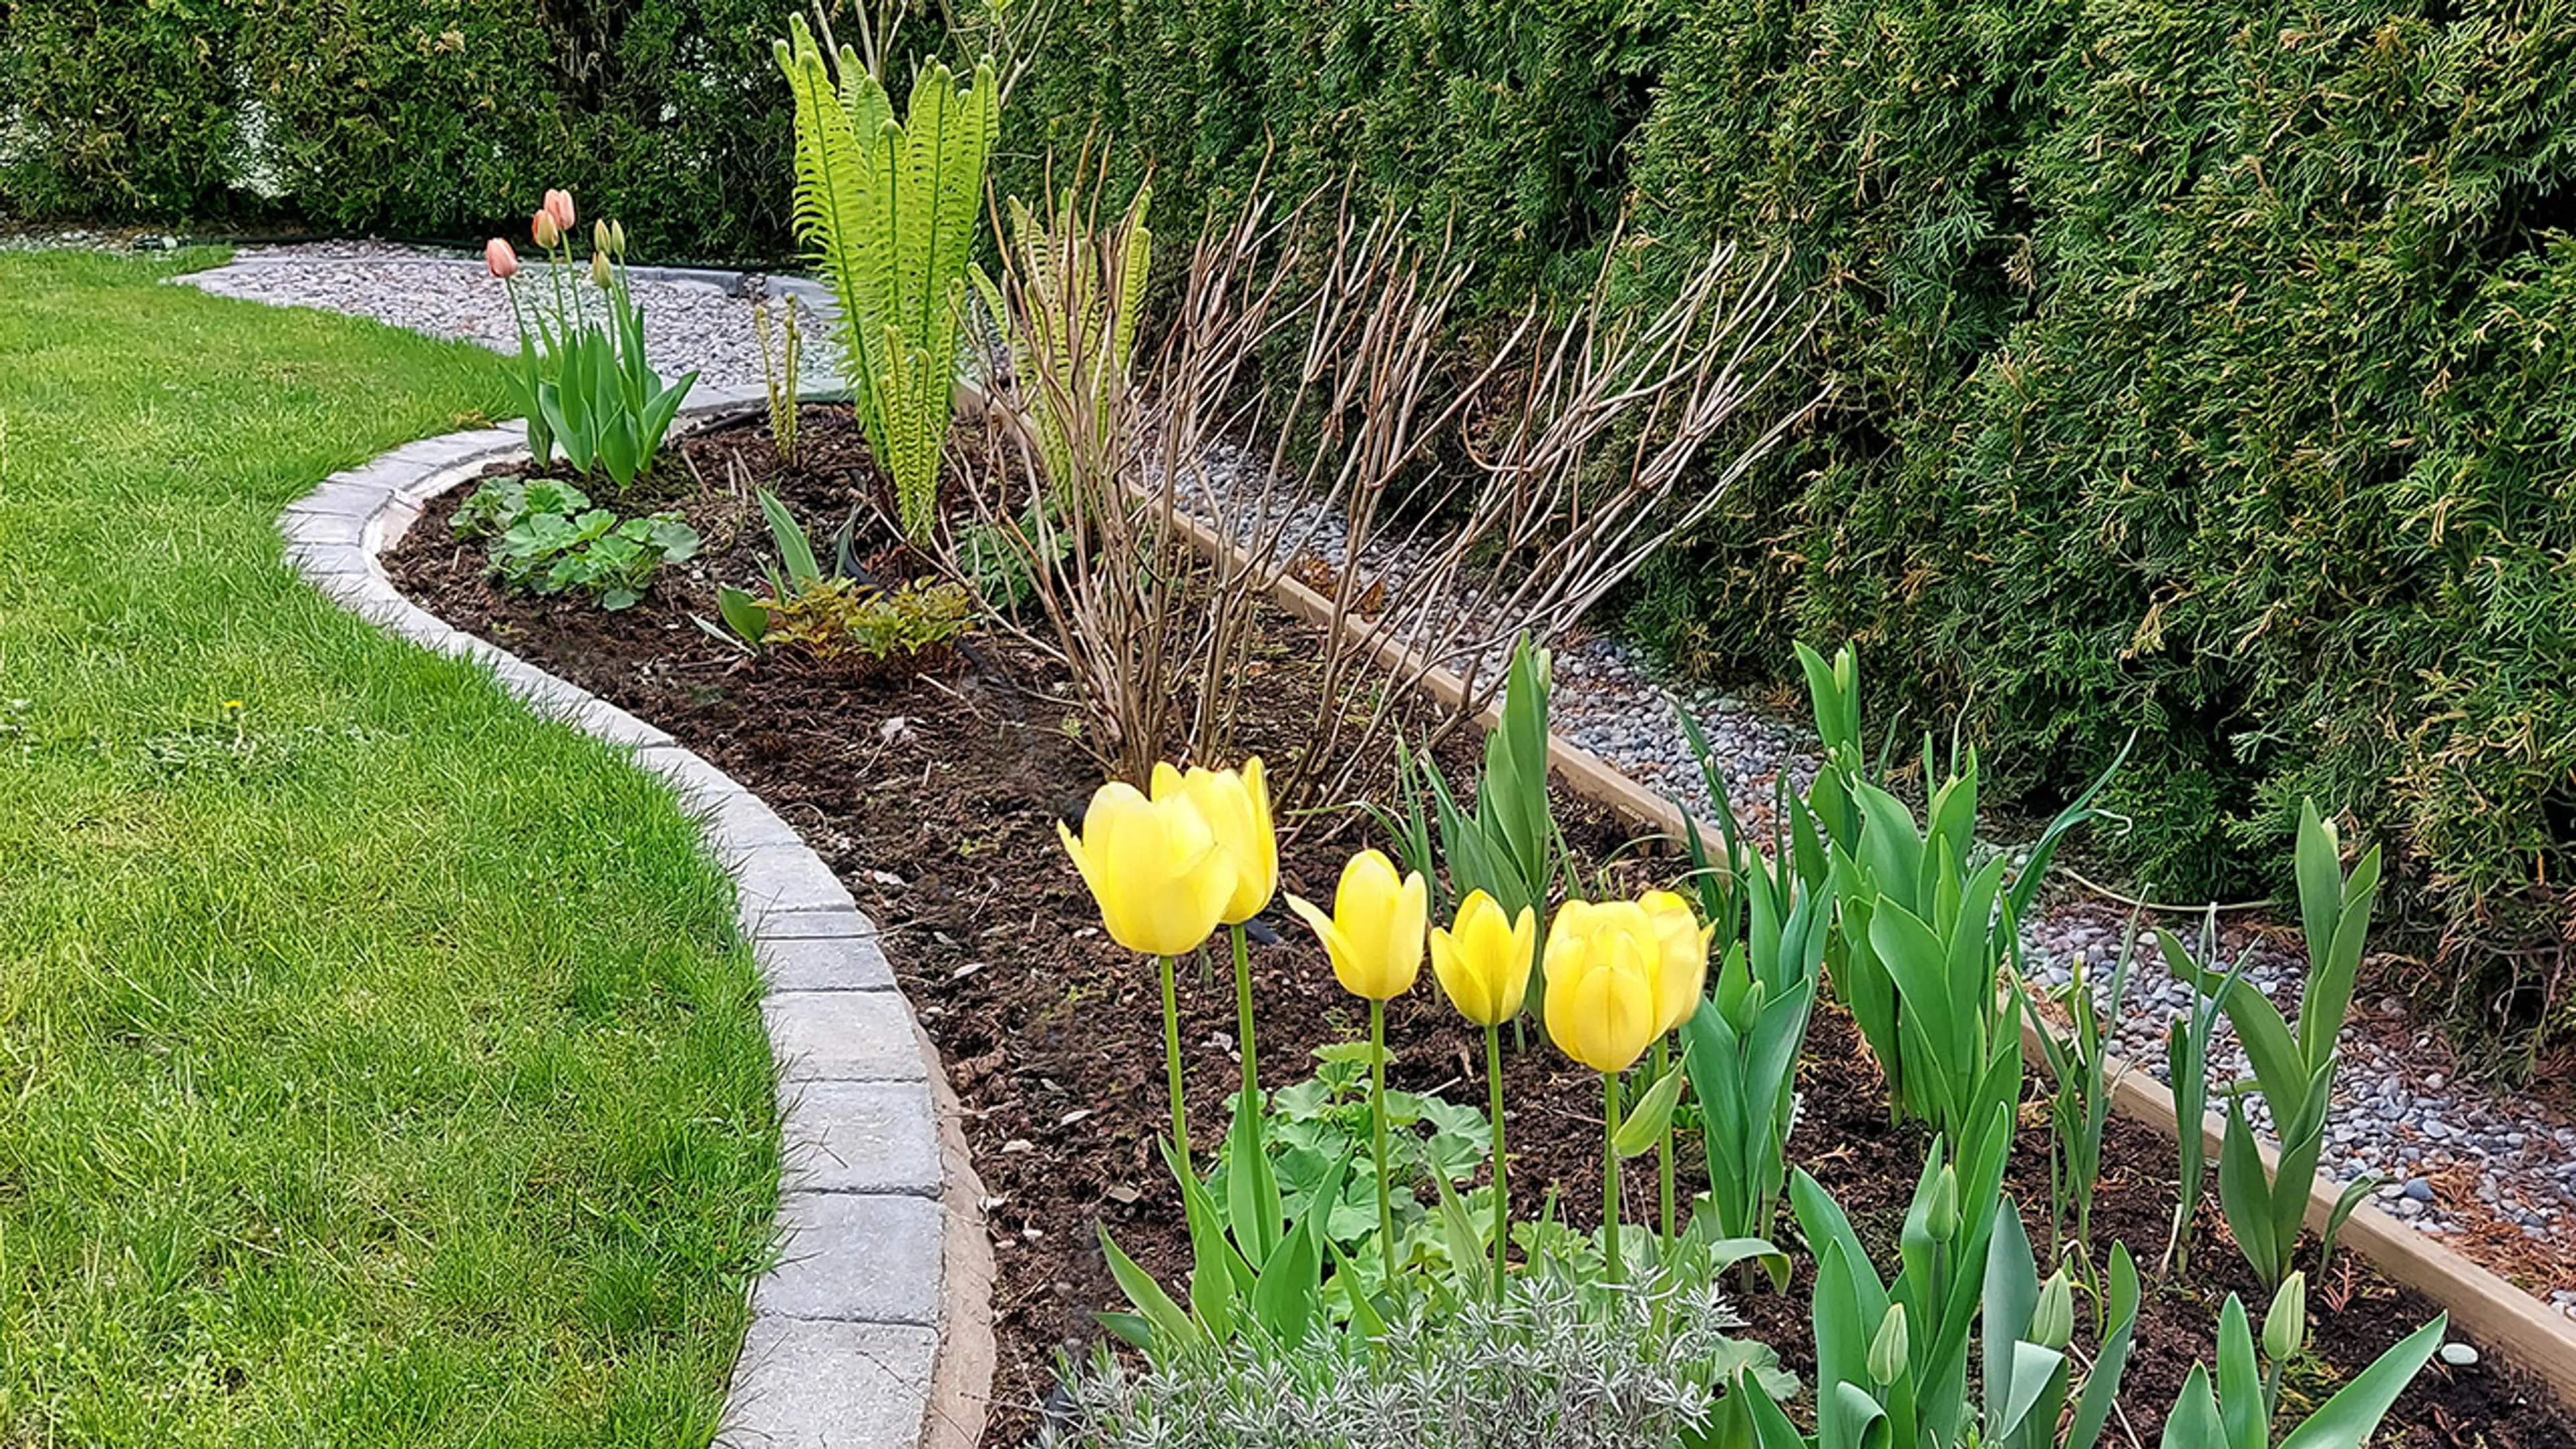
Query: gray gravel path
pixel 688 322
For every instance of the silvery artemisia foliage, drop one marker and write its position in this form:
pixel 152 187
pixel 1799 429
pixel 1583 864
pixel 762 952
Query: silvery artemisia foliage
pixel 1558 1365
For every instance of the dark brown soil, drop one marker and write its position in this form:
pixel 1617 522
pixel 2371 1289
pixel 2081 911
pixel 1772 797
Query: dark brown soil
pixel 936 798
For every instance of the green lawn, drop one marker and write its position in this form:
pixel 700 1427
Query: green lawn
pixel 374 1067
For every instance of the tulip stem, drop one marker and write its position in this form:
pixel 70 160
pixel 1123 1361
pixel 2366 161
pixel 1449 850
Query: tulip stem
pixel 1377 1135
pixel 1172 1059
pixel 1243 1016
pixel 1610 1176
pixel 1664 1146
pixel 1502 1190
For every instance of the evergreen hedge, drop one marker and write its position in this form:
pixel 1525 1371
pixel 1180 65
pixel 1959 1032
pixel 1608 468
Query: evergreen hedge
pixel 424 118
pixel 2201 367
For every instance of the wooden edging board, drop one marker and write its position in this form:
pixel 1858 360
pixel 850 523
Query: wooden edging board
pixel 2482 1305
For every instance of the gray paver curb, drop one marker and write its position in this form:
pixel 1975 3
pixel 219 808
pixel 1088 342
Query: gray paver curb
pixel 874 1329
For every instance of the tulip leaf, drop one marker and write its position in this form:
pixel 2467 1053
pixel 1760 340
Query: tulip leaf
pixel 1644 1125
pixel 2011 1289
pixel 1171 1326
pixel 1132 1329
pixel 2240 1382
pixel 1365 1319
pixel 2194 1423
pixel 2102 1383
pixel 1251 1188
pixel 2347 1420
pixel 2244 1195
pixel 2034 1370
pixel 1458 1234
pixel 1725 1253
pixel 1283 1297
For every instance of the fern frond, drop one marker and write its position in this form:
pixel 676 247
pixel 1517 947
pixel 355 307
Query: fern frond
pixel 828 211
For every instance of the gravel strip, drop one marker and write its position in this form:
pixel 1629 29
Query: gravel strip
pixel 688 323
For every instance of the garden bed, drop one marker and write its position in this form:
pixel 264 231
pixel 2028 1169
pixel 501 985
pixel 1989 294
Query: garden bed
pixel 936 797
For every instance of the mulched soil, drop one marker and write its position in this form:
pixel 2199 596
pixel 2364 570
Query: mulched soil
pixel 936 798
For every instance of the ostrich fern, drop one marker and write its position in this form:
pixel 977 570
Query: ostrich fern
pixel 887 210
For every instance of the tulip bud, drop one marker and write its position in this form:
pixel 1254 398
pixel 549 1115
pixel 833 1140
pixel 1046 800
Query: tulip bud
pixel 543 228
pixel 1888 1351
pixel 2285 1326
pixel 599 269
pixel 2052 1318
pixel 559 206
pixel 599 237
pixel 617 240
pixel 499 260
pixel 1941 1215
pixel 1375 933
pixel 1682 964
pixel 1601 963
pixel 1154 867
pixel 1483 962
pixel 1235 804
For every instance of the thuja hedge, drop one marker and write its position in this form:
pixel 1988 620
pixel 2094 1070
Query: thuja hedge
pixel 2201 365
pixel 424 118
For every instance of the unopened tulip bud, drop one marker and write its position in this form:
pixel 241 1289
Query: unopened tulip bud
pixel 1887 1352
pixel 559 206
pixel 1375 933
pixel 1941 1215
pixel 2052 1319
pixel 599 237
pixel 617 240
pixel 599 269
pixel 499 260
pixel 543 228
pixel 2285 1327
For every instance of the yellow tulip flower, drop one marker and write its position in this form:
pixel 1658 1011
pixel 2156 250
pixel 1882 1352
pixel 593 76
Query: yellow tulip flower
pixel 1375 932
pixel 1602 963
pixel 1155 868
pixel 1483 962
pixel 1682 971
pixel 1236 806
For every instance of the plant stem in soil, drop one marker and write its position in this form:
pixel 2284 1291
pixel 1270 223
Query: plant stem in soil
pixel 1377 1134
pixel 1502 1191
pixel 1664 1145
pixel 1610 1174
pixel 1243 1017
pixel 1172 1058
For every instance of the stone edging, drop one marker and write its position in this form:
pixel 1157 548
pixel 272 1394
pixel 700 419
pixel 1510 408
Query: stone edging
pixel 874 1330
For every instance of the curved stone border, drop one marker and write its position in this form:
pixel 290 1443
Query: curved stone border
pixel 874 1329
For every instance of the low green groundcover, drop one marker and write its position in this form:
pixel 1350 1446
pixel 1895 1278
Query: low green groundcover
pixel 374 1066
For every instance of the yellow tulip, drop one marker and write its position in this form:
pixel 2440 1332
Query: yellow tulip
pixel 1602 962
pixel 1154 867
pixel 1374 934
pixel 1236 806
pixel 1682 971
pixel 1484 961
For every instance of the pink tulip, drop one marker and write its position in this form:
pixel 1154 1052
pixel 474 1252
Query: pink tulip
pixel 542 227
pixel 499 259
pixel 559 206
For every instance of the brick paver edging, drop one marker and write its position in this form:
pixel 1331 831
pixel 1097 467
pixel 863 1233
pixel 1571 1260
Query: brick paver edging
pixel 874 1331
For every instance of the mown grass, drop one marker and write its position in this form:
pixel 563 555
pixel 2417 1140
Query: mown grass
pixel 374 1067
